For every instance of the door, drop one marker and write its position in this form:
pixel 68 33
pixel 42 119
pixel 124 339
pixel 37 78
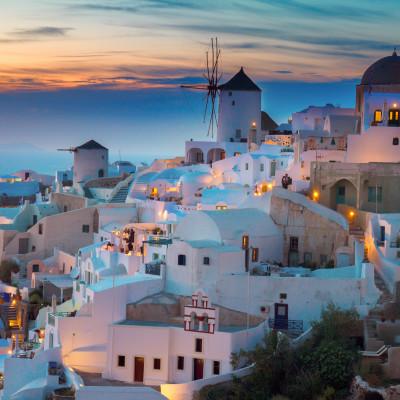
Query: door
pixel 273 168
pixel 34 219
pixel 340 195
pixel 23 246
pixel 281 316
pixel 382 234
pixel 139 369
pixel 294 251
pixel 198 368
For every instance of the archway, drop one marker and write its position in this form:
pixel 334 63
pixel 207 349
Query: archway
pixel 343 192
pixel 195 156
pixel 101 173
pixel 215 155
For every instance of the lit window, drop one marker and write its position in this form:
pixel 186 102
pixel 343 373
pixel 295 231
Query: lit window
pixel 236 153
pixel 121 361
pixel 206 260
pixel 157 363
pixel 378 116
pixel 198 348
pixel 85 228
pixel 181 259
pixel 245 242
pixel 180 364
pixel 154 191
pixel 254 255
pixel 221 207
pixel 216 367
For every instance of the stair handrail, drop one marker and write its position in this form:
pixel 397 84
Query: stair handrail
pixel 127 181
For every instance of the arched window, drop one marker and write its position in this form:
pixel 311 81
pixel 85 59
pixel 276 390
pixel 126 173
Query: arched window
pixel 101 173
pixel 378 116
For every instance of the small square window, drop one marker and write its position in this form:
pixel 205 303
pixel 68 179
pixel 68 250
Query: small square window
pixel 206 260
pixel 282 296
pixel 246 166
pixel 233 102
pixel 33 249
pixel 157 363
pixel 198 348
pixel 85 228
pixel 216 367
pixel 395 141
pixel 121 361
pixel 181 259
pixel 180 363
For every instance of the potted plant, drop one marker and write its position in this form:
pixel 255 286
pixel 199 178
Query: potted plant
pixel 383 319
pixel 18 295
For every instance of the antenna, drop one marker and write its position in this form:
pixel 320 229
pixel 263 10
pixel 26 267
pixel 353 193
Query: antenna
pixel 211 87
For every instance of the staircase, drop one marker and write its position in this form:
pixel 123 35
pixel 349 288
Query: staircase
pixel 358 233
pixel 372 343
pixel 139 187
pixel 120 196
pixel 10 313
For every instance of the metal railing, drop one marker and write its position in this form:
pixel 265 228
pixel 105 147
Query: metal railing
pixel 153 269
pixel 51 319
pixel 286 324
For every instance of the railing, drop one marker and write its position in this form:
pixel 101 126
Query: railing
pixel 286 324
pixel 396 244
pixel 380 243
pixel 153 269
pixel 51 319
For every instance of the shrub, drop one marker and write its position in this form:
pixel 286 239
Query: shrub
pixel 6 267
pixel 372 372
pixel 330 264
pixel 35 299
pixel 213 392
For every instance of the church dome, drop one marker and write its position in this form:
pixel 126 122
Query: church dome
pixel 385 71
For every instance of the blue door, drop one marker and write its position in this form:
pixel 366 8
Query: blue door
pixel 281 316
pixel 340 195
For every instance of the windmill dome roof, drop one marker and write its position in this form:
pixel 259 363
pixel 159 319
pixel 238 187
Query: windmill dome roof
pixel 240 82
pixel 385 71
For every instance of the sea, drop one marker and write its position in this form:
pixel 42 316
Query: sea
pixel 48 162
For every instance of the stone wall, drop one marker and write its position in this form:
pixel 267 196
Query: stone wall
pixel 316 234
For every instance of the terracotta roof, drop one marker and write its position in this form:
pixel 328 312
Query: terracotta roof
pixel 240 82
pixel 267 123
pixel 385 71
pixel 91 145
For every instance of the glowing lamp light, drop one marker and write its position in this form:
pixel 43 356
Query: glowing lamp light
pixel 269 186
pixel 351 213
pixel 315 194
pixel 13 302
pixel 9 351
pixel 394 105
pixel 253 124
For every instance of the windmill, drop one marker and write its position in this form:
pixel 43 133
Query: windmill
pixel 211 87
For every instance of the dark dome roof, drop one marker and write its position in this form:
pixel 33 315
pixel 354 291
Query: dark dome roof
pixel 240 82
pixel 385 71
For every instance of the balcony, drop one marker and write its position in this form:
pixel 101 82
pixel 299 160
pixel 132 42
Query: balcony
pixel 158 240
pixel 153 268
pixel 51 318
pixel 292 325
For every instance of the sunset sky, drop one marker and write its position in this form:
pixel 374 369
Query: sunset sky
pixel 110 70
